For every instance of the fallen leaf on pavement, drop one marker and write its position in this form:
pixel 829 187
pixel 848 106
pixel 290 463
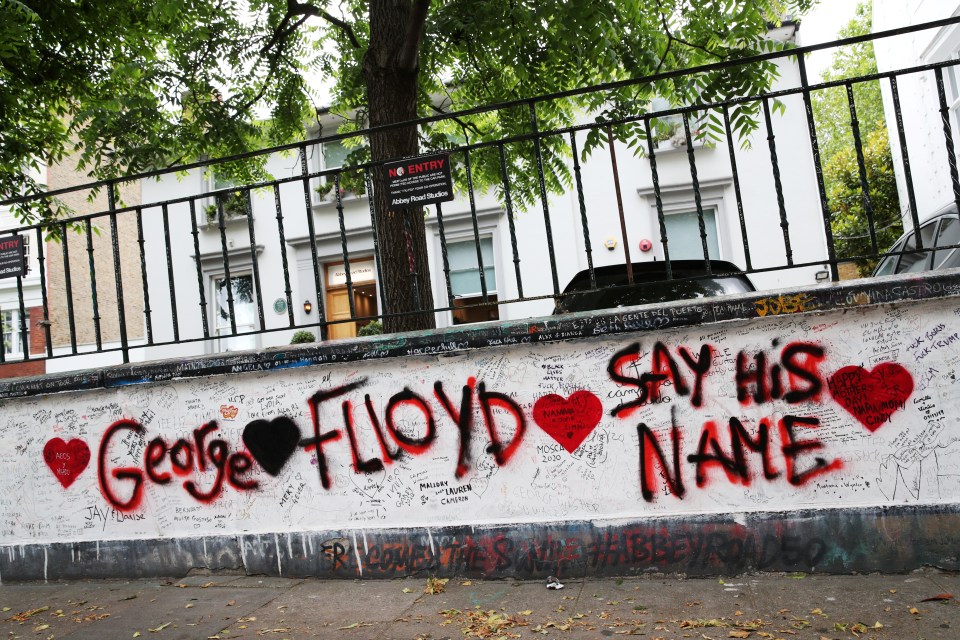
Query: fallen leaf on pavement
pixel 356 625
pixel 41 627
pixel 92 617
pixel 436 585
pixel 938 597
pixel 136 634
pixel 525 612
pixel 23 616
pixel 466 583
pixel 206 585
pixel 231 603
pixel 160 628
pixel 407 590
pixel 694 624
pixel 739 634
pixel 914 611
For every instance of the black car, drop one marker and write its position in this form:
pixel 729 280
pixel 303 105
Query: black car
pixel 650 285
pixel 940 231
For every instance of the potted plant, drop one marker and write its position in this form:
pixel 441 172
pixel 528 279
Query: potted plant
pixel 324 189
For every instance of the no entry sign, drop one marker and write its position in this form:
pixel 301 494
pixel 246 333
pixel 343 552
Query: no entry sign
pixel 418 181
pixel 11 256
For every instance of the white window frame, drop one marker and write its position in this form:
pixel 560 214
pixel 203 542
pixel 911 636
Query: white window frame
pixel 681 199
pixel 471 240
pixel 16 350
pixel 697 239
pixel 459 227
pixel 216 328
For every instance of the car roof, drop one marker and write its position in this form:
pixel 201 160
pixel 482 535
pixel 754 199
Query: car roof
pixel 653 271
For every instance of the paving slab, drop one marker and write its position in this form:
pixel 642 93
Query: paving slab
pixel 760 607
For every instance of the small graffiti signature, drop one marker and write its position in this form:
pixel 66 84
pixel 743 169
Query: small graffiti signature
pixel 785 304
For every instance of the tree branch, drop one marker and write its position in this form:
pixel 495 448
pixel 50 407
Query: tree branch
pixel 463 125
pixel 306 10
pixel 671 37
pixel 410 53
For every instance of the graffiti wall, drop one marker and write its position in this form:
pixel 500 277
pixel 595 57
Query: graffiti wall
pixel 791 412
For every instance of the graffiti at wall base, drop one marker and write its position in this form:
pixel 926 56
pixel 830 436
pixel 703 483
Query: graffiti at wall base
pixel 718 418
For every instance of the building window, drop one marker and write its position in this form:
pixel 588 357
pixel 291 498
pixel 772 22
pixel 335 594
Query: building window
pixel 333 155
pixel 13 345
pixel 233 203
pixel 244 312
pixel 26 254
pixel 668 130
pixel 465 281
pixel 683 235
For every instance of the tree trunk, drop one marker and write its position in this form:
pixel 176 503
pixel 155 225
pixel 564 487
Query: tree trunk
pixel 390 71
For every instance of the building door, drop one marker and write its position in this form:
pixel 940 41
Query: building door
pixel 338 298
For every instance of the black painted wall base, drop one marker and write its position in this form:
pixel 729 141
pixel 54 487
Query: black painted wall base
pixel 826 541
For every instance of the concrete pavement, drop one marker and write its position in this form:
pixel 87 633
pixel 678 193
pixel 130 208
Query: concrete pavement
pixel 765 606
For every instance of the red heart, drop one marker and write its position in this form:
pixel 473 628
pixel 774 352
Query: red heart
pixel 872 396
pixel 568 421
pixel 67 460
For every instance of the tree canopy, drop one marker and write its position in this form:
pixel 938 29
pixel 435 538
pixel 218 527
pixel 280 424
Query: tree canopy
pixel 131 86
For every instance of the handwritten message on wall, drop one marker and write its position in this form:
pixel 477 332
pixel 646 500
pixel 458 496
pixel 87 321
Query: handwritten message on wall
pixel 785 412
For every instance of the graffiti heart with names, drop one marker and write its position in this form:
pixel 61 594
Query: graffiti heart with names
pixel 872 397
pixel 66 460
pixel 569 421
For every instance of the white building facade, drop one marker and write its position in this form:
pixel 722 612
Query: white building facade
pixel 762 224
pixel 929 170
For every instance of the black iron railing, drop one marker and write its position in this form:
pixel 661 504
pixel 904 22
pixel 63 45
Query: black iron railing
pixel 178 305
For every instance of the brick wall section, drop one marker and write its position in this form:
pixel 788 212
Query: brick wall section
pixel 64 175
pixel 17 369
pixel 38 337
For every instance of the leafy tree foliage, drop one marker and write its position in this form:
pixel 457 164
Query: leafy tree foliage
pixel 131 86
pixel 849 215
pixel 849 219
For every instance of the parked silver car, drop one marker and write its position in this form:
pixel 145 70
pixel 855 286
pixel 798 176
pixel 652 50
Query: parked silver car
pixel 938 232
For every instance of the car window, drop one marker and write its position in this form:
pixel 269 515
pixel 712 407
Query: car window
pixel 889 263
pixel 949 235
pixel 917 260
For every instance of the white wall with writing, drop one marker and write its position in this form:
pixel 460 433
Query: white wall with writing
pixel 815 411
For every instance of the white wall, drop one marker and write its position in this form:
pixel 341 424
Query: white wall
pixel 875 424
